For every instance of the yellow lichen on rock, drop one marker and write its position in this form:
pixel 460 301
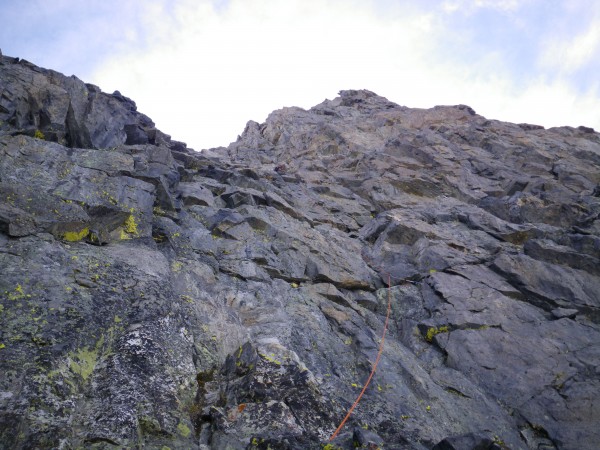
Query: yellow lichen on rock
pixel 131 225
pixel 83 362
pixel 74 236
pixel 129 228
pixel 183 429
pixel 431 332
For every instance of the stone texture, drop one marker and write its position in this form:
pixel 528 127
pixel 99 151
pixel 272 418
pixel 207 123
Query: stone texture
pixel 156 297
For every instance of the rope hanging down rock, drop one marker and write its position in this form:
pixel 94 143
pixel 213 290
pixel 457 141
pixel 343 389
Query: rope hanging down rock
pixel 385 326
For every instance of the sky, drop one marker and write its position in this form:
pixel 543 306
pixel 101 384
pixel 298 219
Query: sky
pixel 202 68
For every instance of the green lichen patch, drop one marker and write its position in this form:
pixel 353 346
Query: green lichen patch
pixel 130 228
pixel 433 331
pixel 158 211
pixel 131 225
pixel 83 362
pixel 270 358
pixel 149 425
pixel 183 429
pixel 74 236
pixel 331 447
pixel 17 294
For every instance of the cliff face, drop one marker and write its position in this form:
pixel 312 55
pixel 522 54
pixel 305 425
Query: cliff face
pixel 156 297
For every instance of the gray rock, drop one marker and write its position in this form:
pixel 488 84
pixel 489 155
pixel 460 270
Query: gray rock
pixel 468 441
pixel 156 297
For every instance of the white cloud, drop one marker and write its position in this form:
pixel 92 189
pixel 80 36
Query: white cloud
pixel 571 54
pixel 503 5
pixel 467 6
pixel 214 71
pixel 541 102
pixel 207 71
pixel 554 104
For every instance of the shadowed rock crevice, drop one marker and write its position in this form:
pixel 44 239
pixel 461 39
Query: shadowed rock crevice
pixel 156 297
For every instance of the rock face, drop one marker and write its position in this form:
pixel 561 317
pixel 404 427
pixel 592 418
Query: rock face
pixel 155 297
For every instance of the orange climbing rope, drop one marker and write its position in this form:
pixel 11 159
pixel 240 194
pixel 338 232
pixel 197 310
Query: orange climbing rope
pixel 387 317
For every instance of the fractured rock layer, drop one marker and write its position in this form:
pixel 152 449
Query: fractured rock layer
pixel 235 298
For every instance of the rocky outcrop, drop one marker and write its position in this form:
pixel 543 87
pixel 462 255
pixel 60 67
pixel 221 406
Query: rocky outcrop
pixel 157 297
